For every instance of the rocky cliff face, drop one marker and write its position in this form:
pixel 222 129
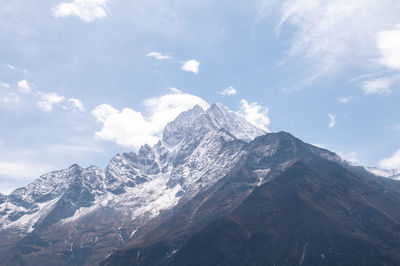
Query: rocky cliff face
pixel 314 213
pixel 75 211
pixel 149 207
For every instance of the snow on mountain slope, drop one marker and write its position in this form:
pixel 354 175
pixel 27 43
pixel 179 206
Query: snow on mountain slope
pixel 83 215
pixel 175 131
pixel 388 173
pixel 25 206
pixel 222 117
pixel 191 154
pixel 197 149
pixel 2 198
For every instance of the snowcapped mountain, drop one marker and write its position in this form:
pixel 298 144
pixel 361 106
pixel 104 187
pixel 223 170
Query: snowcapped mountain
pixel 24 207
pixel 145 205
pixel 196 149
pixel 388 173
pixel 224 118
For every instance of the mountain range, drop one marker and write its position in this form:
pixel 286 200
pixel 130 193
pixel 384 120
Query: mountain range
pixel 215 190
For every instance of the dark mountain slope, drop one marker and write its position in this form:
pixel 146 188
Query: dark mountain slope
pixel 315 213
pixel 322 189
pixel 265 158
pixel 185 201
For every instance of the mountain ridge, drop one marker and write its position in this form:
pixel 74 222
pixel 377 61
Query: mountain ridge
pixel 154 200
pixel 155 178
pixel 332 243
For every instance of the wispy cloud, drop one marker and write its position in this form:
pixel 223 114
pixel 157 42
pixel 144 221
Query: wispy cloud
pixel 74 104
pixel 379 86
pixel 191 66
pixel 23 70
pixel 4 85
pixel 11 66
pixel 48 100
pixel 159 56
pixel 346 99
pixel 332 120
pixel 86 10
pixel 322 35
pixel 228 91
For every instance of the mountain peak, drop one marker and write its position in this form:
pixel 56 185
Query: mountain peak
pixel 217 116
pixel 177 129
pixel 201 170
pixel 197 108
pixel 75 166
pixel 217 106
pixel 234 123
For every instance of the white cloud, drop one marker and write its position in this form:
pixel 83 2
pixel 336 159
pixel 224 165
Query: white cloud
pixel 175 90
pixel 332 120
pixel 75 104
pixel 228 91
pixel 379 86
pixel 23 86
pixel 255 114
pixel 4 85
pixel 392 162
pixel 45 100
pixel 345 99
pixel 103 111
pixel 191 66
pixel 126 128
pixel 48 100
pixel 332 35
pixel 159 56
pixel 166 108
pixel 389 45
pixel 351 157
pixel 132 129
pixel 86 10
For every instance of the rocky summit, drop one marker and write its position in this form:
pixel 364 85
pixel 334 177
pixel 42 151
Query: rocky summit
pixel 215 190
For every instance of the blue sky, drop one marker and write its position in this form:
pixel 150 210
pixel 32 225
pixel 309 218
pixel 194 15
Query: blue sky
pixel 82 80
